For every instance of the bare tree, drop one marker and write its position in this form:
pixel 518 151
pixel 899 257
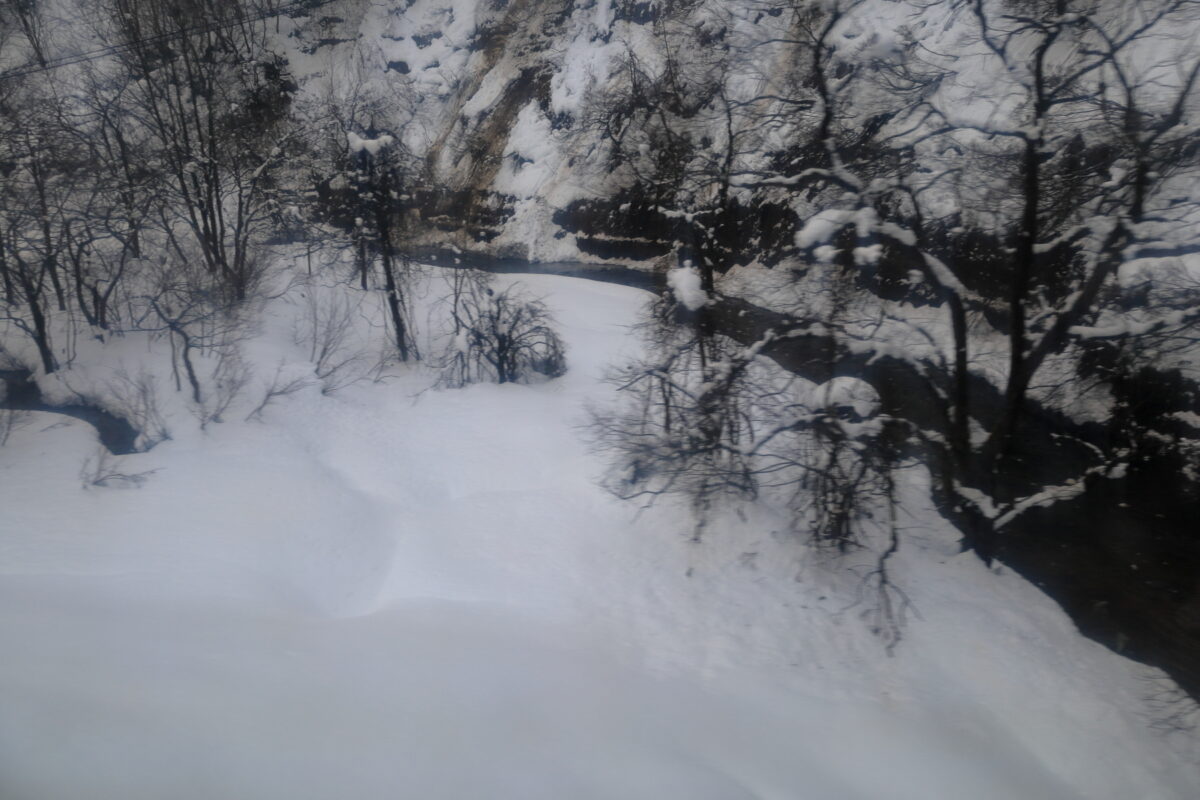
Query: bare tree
pixel 214 97
pixel 1056 170
pixel 362 164
pixel 136 400
pixel 501 335
pixel 379 175
pixel 182 304
pixel 326 329
pixel 280 386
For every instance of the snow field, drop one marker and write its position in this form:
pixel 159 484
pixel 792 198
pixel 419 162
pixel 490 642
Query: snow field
pixel 395 591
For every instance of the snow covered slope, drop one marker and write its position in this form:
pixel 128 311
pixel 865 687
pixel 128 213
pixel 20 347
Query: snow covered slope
pixel 398 592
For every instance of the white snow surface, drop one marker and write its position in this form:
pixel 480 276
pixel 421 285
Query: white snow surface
pixel 398 592
pixel 372 146
pixel 845 391
pixel 687 286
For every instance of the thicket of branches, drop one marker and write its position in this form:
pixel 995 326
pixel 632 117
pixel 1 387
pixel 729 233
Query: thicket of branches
pixel 138 190
pixel 497 335
pixel 144 186
pixel 990 199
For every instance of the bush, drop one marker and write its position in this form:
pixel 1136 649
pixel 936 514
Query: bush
pixel 503 336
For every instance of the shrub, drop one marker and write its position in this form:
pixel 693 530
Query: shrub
pixel 505 336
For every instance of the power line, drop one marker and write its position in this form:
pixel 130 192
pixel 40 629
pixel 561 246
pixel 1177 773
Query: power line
pixel 112 50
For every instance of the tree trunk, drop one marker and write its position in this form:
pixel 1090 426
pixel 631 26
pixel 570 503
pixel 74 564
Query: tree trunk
pixel 41 333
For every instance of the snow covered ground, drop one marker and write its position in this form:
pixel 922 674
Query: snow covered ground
pixel 392 591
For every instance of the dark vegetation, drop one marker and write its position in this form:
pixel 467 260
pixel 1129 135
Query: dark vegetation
pixel 1050 200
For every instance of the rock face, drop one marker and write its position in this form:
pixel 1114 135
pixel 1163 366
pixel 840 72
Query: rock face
pixel 497 100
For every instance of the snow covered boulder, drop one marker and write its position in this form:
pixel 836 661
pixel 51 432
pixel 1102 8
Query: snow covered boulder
pixel 846 398
pixel 687 287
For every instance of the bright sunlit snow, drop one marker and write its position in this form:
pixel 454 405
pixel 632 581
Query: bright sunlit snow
pixel 394 591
